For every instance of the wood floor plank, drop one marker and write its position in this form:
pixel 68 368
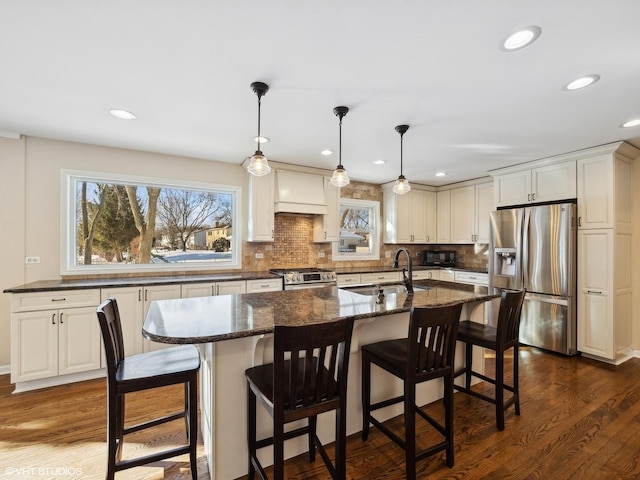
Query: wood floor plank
pixel 580 419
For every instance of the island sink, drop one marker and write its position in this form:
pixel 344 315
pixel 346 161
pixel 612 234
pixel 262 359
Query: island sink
pixel 374 290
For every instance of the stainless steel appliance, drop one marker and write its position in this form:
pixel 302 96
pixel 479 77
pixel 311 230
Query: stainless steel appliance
pixel 535 248
pixel 439 258
pixel 299 278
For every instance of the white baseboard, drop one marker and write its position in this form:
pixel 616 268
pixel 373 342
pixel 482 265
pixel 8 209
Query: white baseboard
pixel 5 369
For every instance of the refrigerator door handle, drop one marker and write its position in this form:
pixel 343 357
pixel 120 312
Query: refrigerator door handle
pixel 525 248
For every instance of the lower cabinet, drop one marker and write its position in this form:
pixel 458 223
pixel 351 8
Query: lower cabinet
pixel 190 290
pixel 47 342
pixel 264 285
pixel 133 303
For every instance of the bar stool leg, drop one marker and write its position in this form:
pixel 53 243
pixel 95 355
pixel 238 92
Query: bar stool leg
pixel 448 417
pixel 251 430
pixel 410 429
pixel 366 394
pixel 193 426
pixel 468 364
pixel 516 386
pixel 499 389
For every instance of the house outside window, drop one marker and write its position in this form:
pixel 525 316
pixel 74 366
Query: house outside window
pixel 359 231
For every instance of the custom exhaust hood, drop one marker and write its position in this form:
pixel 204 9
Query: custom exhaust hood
pixel 300 193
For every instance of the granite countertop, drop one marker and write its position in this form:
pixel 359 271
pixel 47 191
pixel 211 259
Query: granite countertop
pixel 348 270
pixel 50 285
pixel 213 319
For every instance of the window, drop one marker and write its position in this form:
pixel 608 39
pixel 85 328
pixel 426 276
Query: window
pixel 359 231
pixel 122 224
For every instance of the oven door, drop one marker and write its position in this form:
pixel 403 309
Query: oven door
pixel 302 286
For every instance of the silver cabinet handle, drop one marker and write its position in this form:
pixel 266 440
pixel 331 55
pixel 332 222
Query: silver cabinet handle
pixel 533 197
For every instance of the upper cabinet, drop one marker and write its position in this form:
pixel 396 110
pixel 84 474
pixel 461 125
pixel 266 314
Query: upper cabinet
pixel 326 228
pixel 443 217
pixel 410 218
pixel 545 183
pixel 470 208
pixel 261 220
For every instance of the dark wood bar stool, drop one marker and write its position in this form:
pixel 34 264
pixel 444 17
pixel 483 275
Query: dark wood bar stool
pixel 308 376
pixel 427 353
pixel 499 339
pixel 144 371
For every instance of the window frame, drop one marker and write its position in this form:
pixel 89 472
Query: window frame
pixel 338 256
pixel 68 226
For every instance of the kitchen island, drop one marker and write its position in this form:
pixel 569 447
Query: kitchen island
pixel 234 332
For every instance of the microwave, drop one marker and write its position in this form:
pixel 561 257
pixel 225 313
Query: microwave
pixel 439 258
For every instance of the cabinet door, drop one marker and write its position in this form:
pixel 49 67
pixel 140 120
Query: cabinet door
pixel 443 217
pixel 553 182
pixel 79 340
pixel 191 290
pixel 595 308
pixel 462 214
pixel 225 288
pixel 261 210
pixel 512 188
pixel 430 216
pixel 484 206
pixel 418 216
pixel 326 227
pixel 130 306
pixel 595 193
pixel 34 345
pixel 157 292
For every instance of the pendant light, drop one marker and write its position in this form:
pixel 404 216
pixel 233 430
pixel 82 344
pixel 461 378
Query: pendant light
pixel 258 164
pixel 340 178
pixel 402 184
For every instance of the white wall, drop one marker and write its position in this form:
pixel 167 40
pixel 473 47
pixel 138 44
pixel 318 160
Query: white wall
pixel 30 201
pixel 12 232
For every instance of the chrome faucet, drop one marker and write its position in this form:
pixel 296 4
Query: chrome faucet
pixel 407 274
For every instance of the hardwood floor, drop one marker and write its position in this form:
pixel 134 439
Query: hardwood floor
pixel 580 419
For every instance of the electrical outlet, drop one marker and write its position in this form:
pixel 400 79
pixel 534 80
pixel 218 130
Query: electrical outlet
pixel 387 254
pixel 31 259
pixel 320 254
pixel 259 255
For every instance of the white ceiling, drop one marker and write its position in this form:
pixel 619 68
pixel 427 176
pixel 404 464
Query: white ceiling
pixel 184 68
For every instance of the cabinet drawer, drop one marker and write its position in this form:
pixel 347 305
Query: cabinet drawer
pixel 264 285
pixel 472 278
pixel 426 275
pixel 381 277
pixel 57 299
pixel 447 275
pixel 348 279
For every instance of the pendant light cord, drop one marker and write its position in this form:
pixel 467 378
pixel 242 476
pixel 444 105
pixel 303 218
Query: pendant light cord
pixel 401 135
pixel 340 145
pixel 259 104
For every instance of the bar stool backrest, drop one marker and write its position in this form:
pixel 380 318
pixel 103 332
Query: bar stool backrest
pixel 508 328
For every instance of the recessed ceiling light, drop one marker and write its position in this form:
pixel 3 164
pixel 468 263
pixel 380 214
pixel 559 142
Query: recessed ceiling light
pixel 123 114
pixel 262 139
pixel 631 123
pixel 326 152
pixel 379 162
pixel 521 38
pixel 582 82
pixel 440 174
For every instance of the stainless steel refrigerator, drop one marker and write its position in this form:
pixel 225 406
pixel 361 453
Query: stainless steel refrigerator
pixel 535 248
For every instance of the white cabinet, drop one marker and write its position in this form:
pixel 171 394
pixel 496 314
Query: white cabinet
pixel 133 303
pixel 470 207
pixel 605 250
pixel 534 185
pixel 348 279
pixel 443 216
pixel 264 285
pixel 326 228
pixel 54 333
pixel 261 219
pixel 410 218
pixel 190 290
pixel 447 275
pixel 426 274
pixel 471 278
pixel 381 277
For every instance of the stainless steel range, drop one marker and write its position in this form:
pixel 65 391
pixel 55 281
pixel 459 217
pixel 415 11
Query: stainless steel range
pixel 299 278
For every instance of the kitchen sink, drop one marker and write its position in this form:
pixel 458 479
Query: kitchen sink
pixel 373 290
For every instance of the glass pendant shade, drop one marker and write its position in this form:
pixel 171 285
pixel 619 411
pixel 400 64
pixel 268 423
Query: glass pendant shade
pixel 258 165
pixel 339 178
pixel 401 186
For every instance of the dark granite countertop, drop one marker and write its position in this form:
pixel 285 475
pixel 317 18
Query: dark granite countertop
pixel 348 270
pixel 213 319
pixel 51 285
